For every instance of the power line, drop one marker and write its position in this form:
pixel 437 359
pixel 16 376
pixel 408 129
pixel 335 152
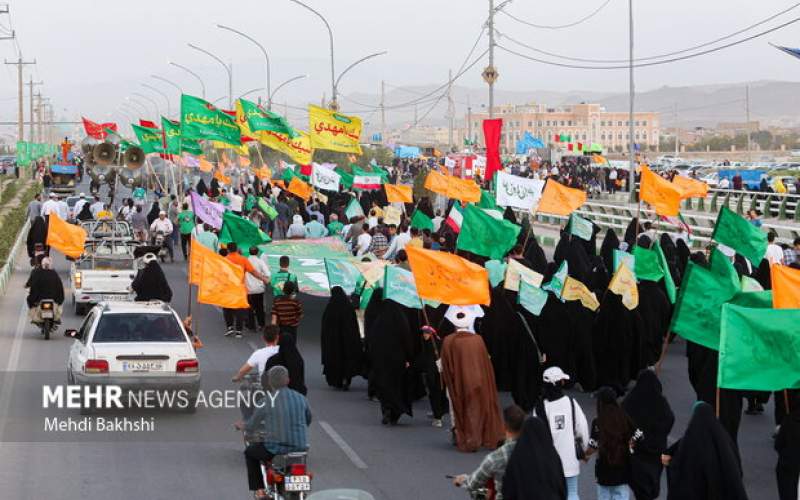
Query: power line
pixel 560 26
pixel 658 56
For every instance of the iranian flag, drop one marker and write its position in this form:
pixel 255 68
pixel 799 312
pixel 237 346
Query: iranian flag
pixel 367 182
pixel 455 217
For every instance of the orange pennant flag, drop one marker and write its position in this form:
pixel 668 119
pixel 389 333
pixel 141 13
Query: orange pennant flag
pixel 662 195
pixel 558 199
pixel 64 237
pixel 205 165
pixel 785 287
pixel 460 189
pixel 218 175
pixel 398 194
pixel 436 182
pixel 299 188
pixel 448 278
pixel 244 161
pixel 221 283
pixel 198 252
pixel 690 188
pixel 264 173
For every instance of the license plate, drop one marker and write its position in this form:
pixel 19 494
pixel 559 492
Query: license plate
pixel 297 483
pixel 142 366
pixel 47 314
pixel 113 298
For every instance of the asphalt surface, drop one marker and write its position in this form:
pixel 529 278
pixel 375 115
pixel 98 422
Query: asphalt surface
pixel 200 455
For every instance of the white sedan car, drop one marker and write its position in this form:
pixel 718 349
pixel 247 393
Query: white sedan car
pixel 138 346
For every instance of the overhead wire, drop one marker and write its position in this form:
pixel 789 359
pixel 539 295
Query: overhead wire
pixel 560 26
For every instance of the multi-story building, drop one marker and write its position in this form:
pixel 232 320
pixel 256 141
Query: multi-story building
pixel 585 123
pixel 419 136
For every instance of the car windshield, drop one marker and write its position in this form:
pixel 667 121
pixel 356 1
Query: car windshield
pixel 106 264
pixel 138 327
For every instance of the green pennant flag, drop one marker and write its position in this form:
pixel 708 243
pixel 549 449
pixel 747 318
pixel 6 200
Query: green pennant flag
pixel 703 292
pixel 556 283
pixel 531 298
pixel 268 209
pixel 150 139
pixel 497 271
pixel 759 349
pixel 669 284
pixel 23 154
pixel 421 221
pixel 651 265
pixel 751 285
pixel 487 200
pixel 176 144
pixel 241 231
pixel 342 273
pixel 738 233
pixel 200 120
pixel 399 286
pixel 345 178
pixel 353 209
pixel 580 227
pixel 366 295
pixel 484 235
pixel 261 119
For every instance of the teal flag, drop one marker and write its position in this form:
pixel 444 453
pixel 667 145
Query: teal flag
pixel 580 227
pixel 399 286
pixel 342 273
pixel 531 298
pixel 497 271
pixel 556 283
pixel 353 209
pixel 621 257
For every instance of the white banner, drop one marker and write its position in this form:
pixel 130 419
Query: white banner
pixel 514 191
pixel 324 178
pixel 449 163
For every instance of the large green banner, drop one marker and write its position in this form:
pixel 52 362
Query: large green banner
pixel 307 260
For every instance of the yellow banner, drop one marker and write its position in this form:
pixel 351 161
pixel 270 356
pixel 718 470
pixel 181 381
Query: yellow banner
pixel 333 131
pixel 575 290
pixel 298 149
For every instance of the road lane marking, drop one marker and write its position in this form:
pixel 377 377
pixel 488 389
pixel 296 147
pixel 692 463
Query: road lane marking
pixel 11 367
pixel 341 443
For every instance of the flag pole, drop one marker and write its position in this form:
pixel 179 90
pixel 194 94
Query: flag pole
pixel 664 348
pixel 786 400
pixel 717 403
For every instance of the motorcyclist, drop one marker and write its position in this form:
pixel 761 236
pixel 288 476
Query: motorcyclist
pixel 44 283
pixel 164 225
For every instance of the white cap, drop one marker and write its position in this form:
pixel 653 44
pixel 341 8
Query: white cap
pixel 53 195
pixel 82 195
pixel 554 375
pixel 463 317
pixel 162 213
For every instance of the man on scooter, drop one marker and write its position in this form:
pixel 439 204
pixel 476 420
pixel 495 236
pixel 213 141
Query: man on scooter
pixel 163 225
pixel 44 283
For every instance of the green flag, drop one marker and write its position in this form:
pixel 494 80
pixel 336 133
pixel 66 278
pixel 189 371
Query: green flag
pixel 268 209
pixel 150 139
pixel 531 298
pixel 556 283
pixel 651 265
pixel 345 177
pixel 200 120
pixel 702 294
pixel 399 286
pixel 484 235
pixel 750 285
pixel 759 349
pixel 738 233
pixel 353 209
pixel 580 227
pixel 497 271
pixel 342 273
pixel 669 284
pixel 176 144
pixel 23 154
pixel 241 231
pixel 421 221
pixel 487 200
pixel 261 119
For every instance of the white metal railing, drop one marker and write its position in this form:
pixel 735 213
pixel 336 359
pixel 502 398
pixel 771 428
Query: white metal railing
pixel 8 268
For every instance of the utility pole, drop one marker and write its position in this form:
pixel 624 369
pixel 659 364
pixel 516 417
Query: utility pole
pixel 631 93
pixel 39 112
pixel 747 120
pixel 415 116
pixel 450 110
pixel 469 123
pixel 31 83
pixel 490 73
pixel 383 112
pixel 677 131
pixel 19 64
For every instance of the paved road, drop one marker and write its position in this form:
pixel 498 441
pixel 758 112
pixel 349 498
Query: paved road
pixel 202 458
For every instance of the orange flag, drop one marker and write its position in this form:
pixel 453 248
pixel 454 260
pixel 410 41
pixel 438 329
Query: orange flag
pixel 221 282
pixel 436 182
pixel 198 252
pixel 664 196
pixel 785 287
pixel 448 278
pixel 218 175
pixel 398 194
pixel 244 161
pixel 460 189
pixel 263 173
pixel 66 238
pixel 299 188
pixel 205 165
pixel 690 188
pixel 558 199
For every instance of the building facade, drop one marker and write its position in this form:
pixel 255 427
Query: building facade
pixel 585 123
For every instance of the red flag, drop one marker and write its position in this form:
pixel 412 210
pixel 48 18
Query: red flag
pixel 97 130
pixel 557 138
pixel 147 123
pixel 569 147
pixel 580 146
pixel 491 136
pixel 305 170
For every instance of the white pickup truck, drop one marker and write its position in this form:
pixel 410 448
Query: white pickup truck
pixel 104 273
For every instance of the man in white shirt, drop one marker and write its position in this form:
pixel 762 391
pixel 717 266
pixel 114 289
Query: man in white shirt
pixel 567 422
pixel 63 209
pixel 255 291
pixel 437 221
pixel 363 241
pixel 97 206
pixel 260 357
pixel 165 226
pixel 774 253
pixel 50 206
pixel 398 243
pixel 724 183
pixel 236 202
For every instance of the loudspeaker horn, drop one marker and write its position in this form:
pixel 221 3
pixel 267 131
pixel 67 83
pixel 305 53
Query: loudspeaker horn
pixel 134 157
pixel 104 154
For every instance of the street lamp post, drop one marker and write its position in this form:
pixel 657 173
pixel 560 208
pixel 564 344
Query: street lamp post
pixel 334 105
pixel 290 80
pixel 169 82
pixel 162 94
pixel 227 69
pixel 202 85
pixel 142 107
pixel 150 100
pixel 330 37
pixel 263 51
pixel 490 74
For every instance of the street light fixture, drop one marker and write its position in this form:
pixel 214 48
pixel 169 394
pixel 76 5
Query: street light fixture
pixel 330 36
pixel 142 106
pixel 263 51
pixel 334 105
pixel 227 69
pixel 162 94
pixel 148 99
pixel 290 80
pixel 169 82
pixel 202 85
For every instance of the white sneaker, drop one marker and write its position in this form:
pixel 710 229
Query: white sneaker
pixel 437 422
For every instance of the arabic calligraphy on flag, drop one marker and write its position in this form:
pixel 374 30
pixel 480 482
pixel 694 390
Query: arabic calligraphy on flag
pixel 333 131
pixel 514 191
pixel 324 178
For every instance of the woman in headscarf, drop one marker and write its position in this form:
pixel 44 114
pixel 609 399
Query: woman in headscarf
pixel 201 188
pixel 535 254
pixel 534 469
pixel 656 312
pixel 651 413
pixel 704 464
pixel 578 263
pixel 289 357
pixel 297 229
pixel 498 337
pixel 153 213
pixel 787 444
pixel 340 341
pixel 150 282
pixel 85 213
pixel 37 234
pixel 762 275
pixel 617 343
pixel 631 232
pixel 684 254
pixel 610 243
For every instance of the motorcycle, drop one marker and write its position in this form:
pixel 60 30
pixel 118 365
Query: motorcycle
pixel 47 315
pixel 287 477
pixel 160 241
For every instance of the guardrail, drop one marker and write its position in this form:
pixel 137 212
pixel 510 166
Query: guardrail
pixel 8 268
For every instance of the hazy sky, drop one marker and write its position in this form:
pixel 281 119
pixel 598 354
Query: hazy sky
pixel 93 53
